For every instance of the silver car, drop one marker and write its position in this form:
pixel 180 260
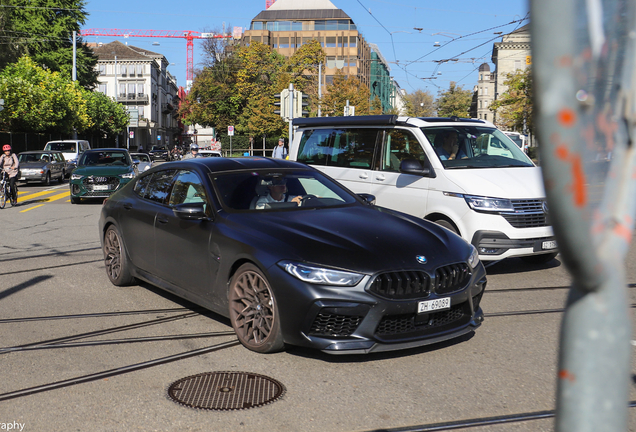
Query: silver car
pixel 143 160
pixel 42 166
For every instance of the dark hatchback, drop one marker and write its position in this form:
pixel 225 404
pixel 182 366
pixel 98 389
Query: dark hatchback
pixel 334 272
pixel 159 152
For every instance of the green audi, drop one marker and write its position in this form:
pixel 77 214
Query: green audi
pixel 100 173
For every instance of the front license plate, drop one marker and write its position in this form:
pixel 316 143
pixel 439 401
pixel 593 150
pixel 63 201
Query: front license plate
pixel 100 187
pixel 432 305
pixel 548 245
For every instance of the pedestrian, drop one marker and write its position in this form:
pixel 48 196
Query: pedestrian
pixel 10 164
pixel 280 151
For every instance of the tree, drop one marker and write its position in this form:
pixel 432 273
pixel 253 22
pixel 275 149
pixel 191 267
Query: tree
pixel 454 102
pixel 343 89
pixel 43 30
pixel 38 100
pixel 514 109
pixel 420 104
pixel 108 116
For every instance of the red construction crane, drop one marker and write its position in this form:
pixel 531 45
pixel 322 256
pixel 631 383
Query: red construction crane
pixel 188 35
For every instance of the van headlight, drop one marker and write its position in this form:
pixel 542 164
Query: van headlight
pixel 321 275
pixel 488 204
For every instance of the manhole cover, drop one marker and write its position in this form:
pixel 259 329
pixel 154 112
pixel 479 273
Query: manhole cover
pixel 225 390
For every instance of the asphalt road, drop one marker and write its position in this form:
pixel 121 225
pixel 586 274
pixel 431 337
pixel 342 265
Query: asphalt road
pixel 51 272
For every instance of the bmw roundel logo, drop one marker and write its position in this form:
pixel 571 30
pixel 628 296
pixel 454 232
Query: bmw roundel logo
pixel 421 259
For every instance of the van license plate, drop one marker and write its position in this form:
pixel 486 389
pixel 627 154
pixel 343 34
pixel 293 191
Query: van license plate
pixel 431 305
pixel 548 245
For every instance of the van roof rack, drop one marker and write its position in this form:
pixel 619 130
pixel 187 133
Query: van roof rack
pixel 372 120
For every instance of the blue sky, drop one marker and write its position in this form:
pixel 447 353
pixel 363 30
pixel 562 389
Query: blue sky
pixel 404 30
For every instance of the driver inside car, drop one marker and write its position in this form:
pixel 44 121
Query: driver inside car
pixel 276 193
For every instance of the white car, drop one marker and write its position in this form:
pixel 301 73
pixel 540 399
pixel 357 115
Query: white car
pixel 486 189
pixel 210 153
pixel 143 160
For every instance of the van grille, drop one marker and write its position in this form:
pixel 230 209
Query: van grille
pixel 528 214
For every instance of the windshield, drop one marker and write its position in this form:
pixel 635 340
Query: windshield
pixel 61 146
pixel 141 157
pixel 33 157
pixel 114 157
pixel 288 190
pixel 475 147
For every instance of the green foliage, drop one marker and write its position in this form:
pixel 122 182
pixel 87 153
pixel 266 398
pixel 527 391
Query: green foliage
pixel 109 117
pixel 38 100
pixel 514 107
pixel 344 89
pixel 454 102
pixel 420 104
pixel 43 30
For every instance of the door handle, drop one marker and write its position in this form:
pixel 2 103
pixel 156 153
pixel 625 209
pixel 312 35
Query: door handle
pixel 364 175
pixel 127 206
pixel 380 178
pixel 162 219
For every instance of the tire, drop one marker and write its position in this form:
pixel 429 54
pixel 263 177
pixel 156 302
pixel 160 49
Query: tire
pixel 254 311
pixel 3 199
pixel 446 224
pixel 47 179
pixel 539 259
pixel 116 259
pixel 62 177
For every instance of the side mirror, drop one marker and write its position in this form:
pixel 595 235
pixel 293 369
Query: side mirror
pixel 412 166
pixel 190 211
pixel 368 198
pixel 136 161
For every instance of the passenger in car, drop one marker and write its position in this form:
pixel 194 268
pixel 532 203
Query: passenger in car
pixel 450 149
pixel 277 193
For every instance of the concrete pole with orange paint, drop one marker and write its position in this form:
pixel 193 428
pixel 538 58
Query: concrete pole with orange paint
pixel 585 106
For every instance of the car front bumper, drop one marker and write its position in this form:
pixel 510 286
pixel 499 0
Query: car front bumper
pixel 84 188
pixel 353 320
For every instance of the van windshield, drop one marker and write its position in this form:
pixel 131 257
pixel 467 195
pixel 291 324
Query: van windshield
pixel 464 147
pixel 61 146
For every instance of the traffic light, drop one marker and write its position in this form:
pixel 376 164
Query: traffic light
pixel 283 103
pixel 300 102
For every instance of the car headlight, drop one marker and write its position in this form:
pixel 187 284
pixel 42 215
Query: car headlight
pixel 76 177
pixel 128 175
pixel 321 275
pixel 473 259
pixel 488 204
pixel 147 168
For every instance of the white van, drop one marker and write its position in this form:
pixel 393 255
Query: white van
pixel 71 149
pixel 484 187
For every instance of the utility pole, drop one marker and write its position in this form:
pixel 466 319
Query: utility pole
pixel 74 73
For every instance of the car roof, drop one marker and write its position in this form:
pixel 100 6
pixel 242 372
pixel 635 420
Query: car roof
pixel 105 149
pixel 234 164
pixel 386 120
pixel 39 151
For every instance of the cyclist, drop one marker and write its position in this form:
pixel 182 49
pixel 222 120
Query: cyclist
pixel 9 163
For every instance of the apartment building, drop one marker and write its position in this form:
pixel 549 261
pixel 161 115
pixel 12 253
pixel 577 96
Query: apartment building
pixel 287 24
pixel 139 79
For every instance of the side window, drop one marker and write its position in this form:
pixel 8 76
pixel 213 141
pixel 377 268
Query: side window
pixel 187 189
pixel 400 144
pixel 142 185
pixel 160 186
pixel 352 148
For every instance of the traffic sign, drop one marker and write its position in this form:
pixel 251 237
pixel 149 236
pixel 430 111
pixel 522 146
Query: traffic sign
pixel 230 130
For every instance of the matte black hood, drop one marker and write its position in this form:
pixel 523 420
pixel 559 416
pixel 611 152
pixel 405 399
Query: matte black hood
pixel 360 239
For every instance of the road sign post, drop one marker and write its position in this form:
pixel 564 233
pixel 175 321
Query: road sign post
pixel 230 133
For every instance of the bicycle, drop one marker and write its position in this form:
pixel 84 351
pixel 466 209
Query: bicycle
pixel 5 190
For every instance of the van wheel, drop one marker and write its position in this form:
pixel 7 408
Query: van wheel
pixel 446 224
pixel 539 259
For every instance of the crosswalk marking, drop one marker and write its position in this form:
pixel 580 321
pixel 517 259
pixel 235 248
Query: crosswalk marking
pixel 31 208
